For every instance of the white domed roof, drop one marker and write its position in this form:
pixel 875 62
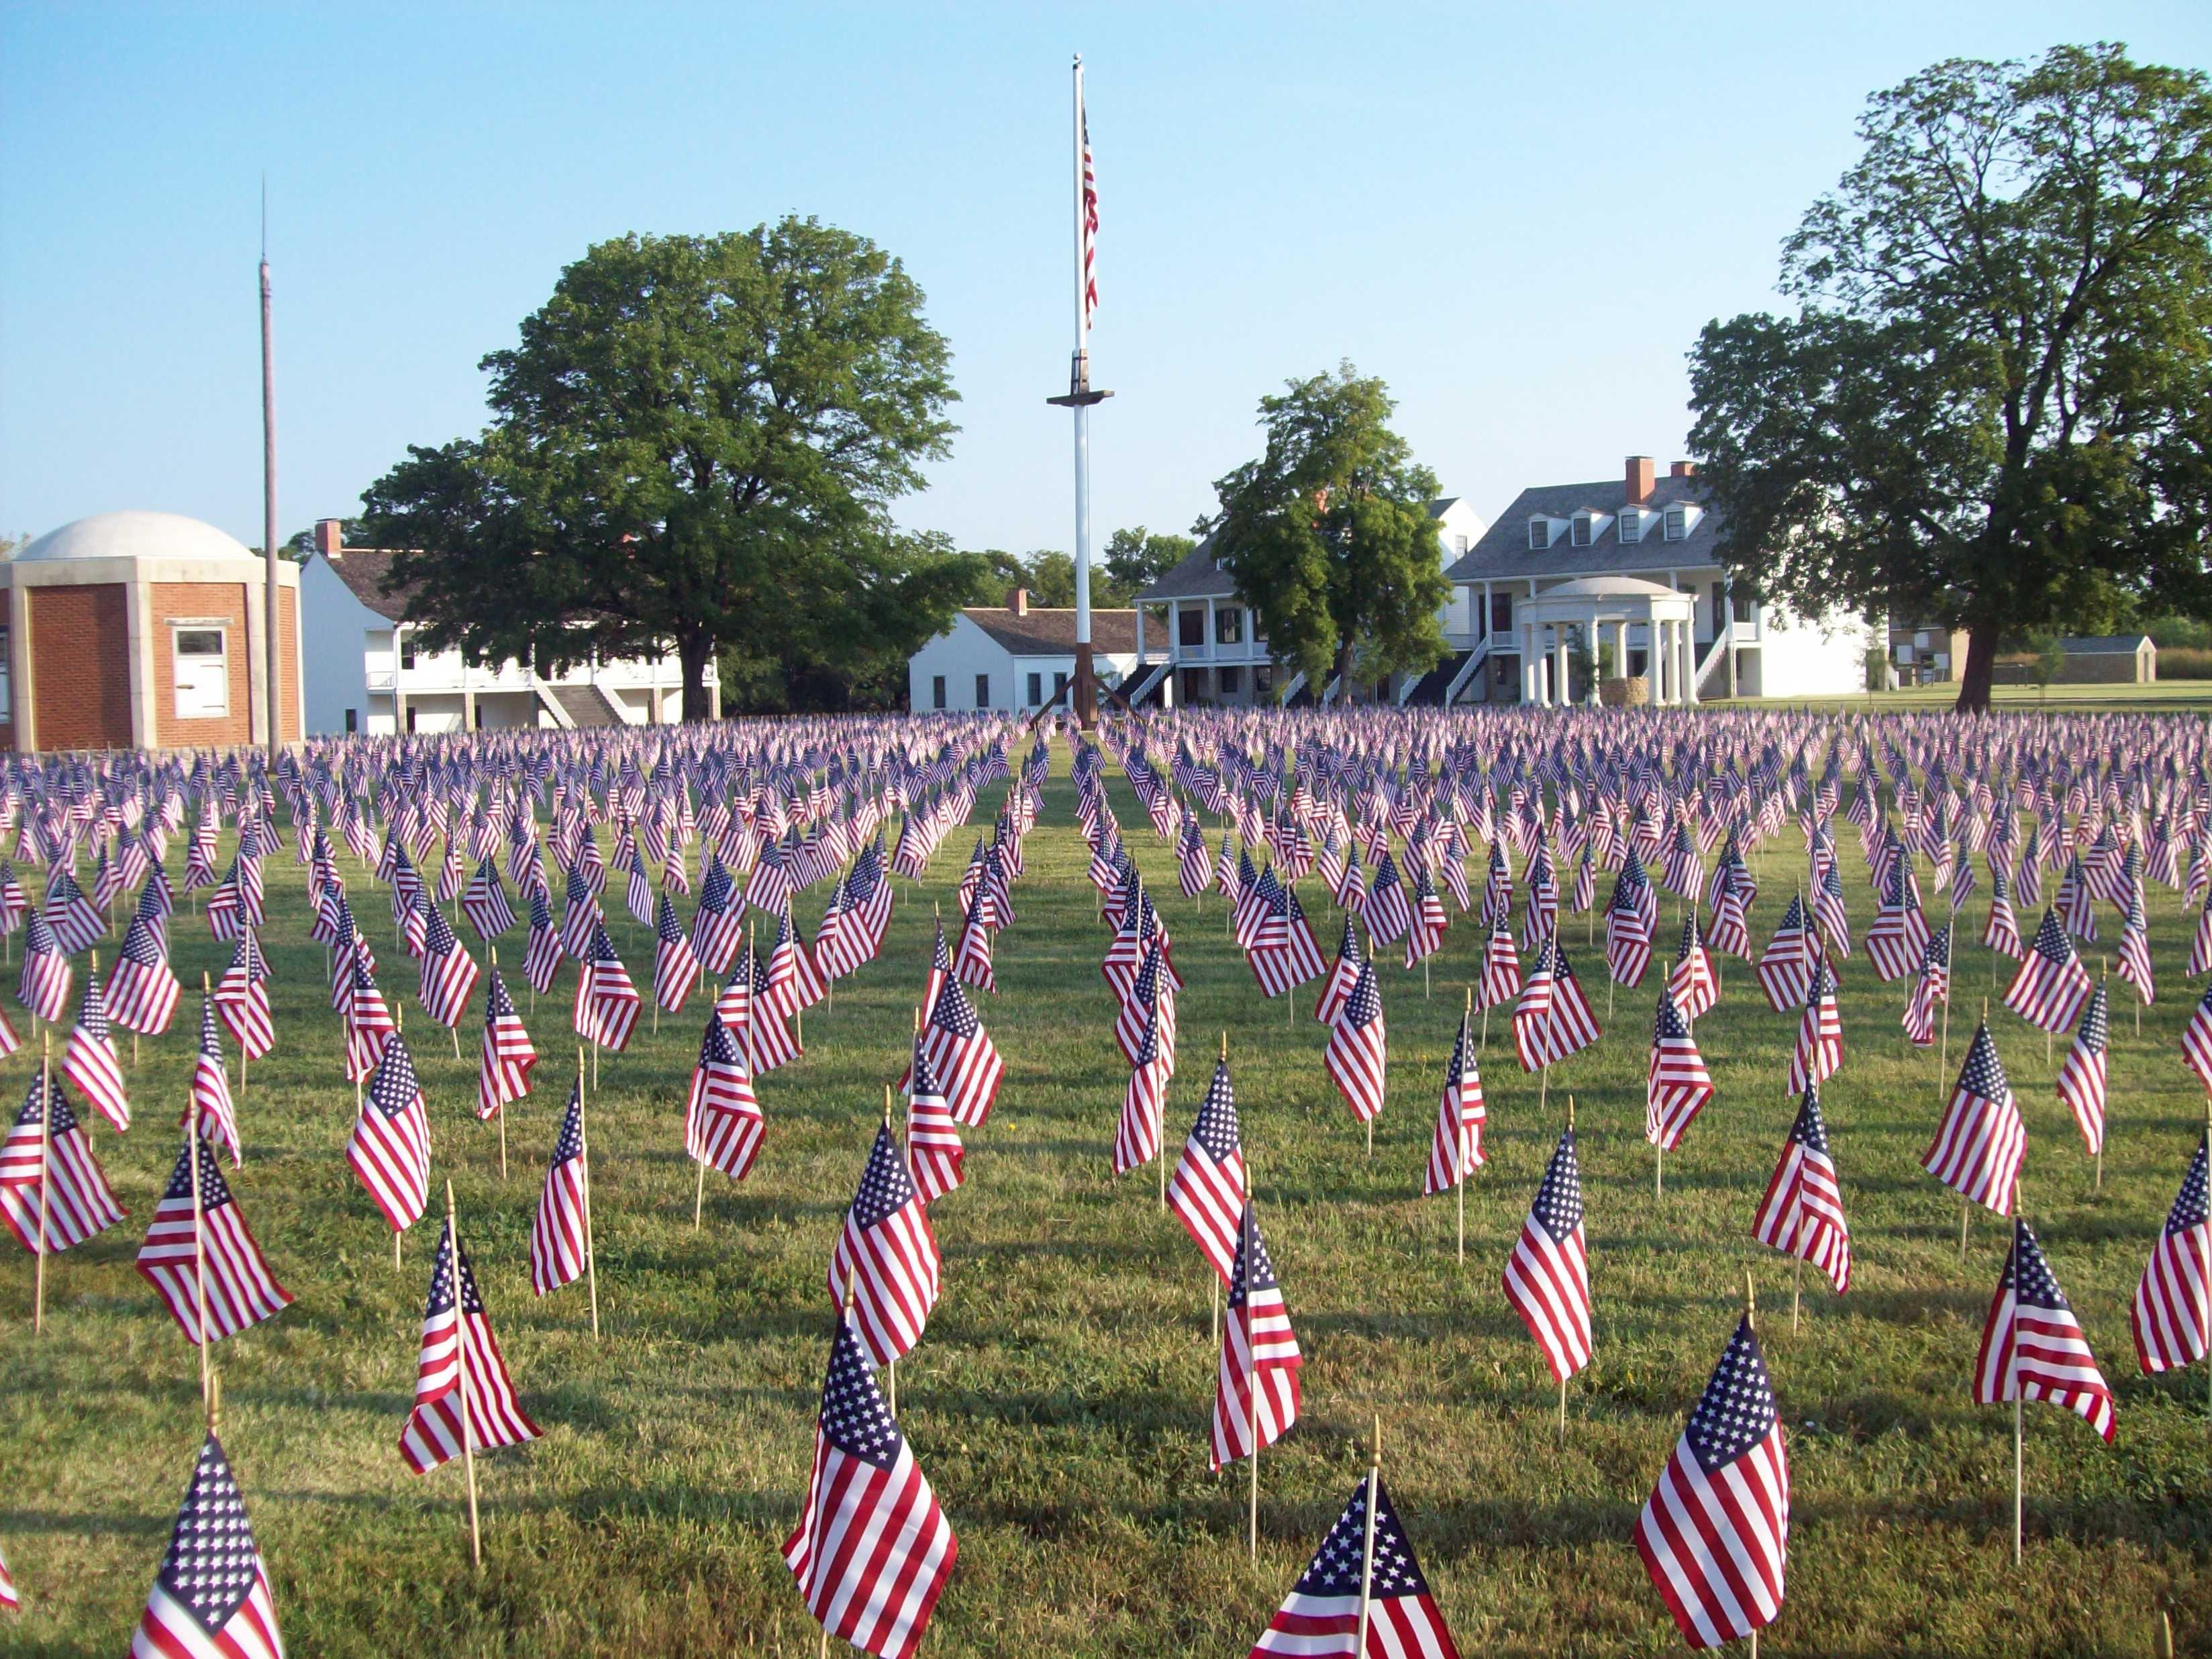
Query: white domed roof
pixel 135 535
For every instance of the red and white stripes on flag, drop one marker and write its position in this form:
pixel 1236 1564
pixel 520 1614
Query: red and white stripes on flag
pixel 1548 1276
pixel 933 1152
pixel 2052 984
pixel 390 1147
pixel 2082 1074
pixel 90 1061
pixel 46 1163
pixel 1715 1532
pixel 560 1234
pixel 722 1121
pixel 241 1291
pixel 1358 1056
pixel 1979 1144
pixel 2033 1347
pixel 1455 1150
pixel 1206 1191
pixel 1141 1126
pixel 887 1254
pixel 1257 1383
pixel 2172 1313
pixel 503 1069
pixel 1676 1084
pixel 458 1340
pixel 871 1550
pixel 1802 1213
pixel 1359 1562
pixel 210 1598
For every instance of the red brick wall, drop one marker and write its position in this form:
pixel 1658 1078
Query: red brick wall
pixel 80 666
pixel 288 666
pixel 213 600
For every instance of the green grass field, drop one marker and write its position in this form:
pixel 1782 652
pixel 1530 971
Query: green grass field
pixel 1059 1400
pixel 2160 697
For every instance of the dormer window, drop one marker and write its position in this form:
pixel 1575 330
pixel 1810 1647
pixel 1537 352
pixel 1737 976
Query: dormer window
pixel 1629 524
pixel 1539 534
pixel 1678 522
pixel 1584 530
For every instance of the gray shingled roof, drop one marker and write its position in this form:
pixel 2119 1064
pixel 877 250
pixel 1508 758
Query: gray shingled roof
pixel 363 569
pixel 1197 578
pixel 2104 645
pixel 1504 553
pixel 1051 632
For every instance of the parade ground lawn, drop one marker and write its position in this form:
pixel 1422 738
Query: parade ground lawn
pixel 1059 1400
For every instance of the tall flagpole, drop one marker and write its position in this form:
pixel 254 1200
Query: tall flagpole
pixel 272 696
pixel 1079 398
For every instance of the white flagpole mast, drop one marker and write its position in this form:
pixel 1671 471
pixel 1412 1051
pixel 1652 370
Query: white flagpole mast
pixel 1079 398
pixel 272 632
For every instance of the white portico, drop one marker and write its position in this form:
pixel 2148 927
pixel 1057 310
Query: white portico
pixel 1656 620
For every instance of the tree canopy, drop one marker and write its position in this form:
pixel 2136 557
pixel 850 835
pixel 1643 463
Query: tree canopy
pixel 1328 534
pixel 1137 557
pixel 1992 408
pixel 696 441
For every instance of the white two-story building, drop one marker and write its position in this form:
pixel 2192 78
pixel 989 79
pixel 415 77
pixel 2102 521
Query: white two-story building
pixel 1628 568
pixel 1199 643
pixel 362 671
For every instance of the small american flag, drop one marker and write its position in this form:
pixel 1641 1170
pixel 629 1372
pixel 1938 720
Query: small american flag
pixel 1715 1532
pixel 675 969
pixel 606 1004
pixel 1980 1142
pixel 933 1152
pixel 241 997
pixel 1206 1192
pixel 503 1071
pixel 561 1236
pixel 241 1291
pixel 390 1147
pixel 43 984
pixel 1455 1150
pixel 2082 1075
pixel 1258 1380
pixel 1358 1056
pixel 143 995
pixel 2051 985
pixel 1931 990
pixel 485 903
pixel 1141 1129
pixel 449 973
pixel 1501 967
pixel 1321 1617
pixel 46 1163
pixel 1343 975
pixel 211 1596
pixel 1802 1213
pixel 2033 1347
pixel 457 1337
pixel 90 1060
pixel 1676 1084
pixel 872 1551
pixel 541 956
pixel 963 1056
pixel 887 1256
pixel 210 1090
pixel 1785 967
pixel 1820 1049
pixel 2172 1308
pixel 1548 1276
pixel 2001 932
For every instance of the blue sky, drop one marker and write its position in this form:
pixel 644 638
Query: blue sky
pixel 1518 215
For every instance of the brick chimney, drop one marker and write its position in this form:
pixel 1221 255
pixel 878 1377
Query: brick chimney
pixel 329 537
pixel 1684 470
pixel 1018 601
pixel 1640 479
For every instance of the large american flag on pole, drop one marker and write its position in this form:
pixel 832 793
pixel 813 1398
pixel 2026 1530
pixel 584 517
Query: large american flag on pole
pixel 1715 1532
pixel 871 1550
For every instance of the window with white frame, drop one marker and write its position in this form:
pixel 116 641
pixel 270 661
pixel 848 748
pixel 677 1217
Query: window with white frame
pixel 1539 534
pixel 1582 531
pixel 1631 528
pixel 201 653
pixel 1678 523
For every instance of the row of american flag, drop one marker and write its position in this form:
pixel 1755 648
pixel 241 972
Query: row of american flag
pixel 1424 802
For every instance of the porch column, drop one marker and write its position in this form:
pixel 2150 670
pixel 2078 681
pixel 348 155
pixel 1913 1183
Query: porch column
pixel 1596 648
pixel 1141 639
pixel 1563 684
pixel 1527 633
pixel 1690 663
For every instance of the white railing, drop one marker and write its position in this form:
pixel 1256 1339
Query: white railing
pixel 1468 670
pixel 1715 659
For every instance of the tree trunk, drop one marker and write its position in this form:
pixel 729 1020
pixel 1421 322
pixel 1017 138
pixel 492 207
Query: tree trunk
pixel 1344 692
pixel 695 651
pixel 1981 670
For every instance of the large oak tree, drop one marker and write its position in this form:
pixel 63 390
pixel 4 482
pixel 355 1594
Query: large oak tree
pixel 1328 534
pixel 696 443
pixel 1992 408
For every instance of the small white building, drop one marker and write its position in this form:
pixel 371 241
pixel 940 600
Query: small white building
pixel 1197 640
pixel 1017 656
pixel 364 673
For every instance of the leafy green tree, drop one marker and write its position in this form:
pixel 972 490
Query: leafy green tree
pixel 1328 534
pixel 1052 580
pixel 1136 558
pixel 995 573
pixel 696 441
pixel 1992 409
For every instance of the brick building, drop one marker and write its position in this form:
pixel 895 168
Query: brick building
pixel 141 629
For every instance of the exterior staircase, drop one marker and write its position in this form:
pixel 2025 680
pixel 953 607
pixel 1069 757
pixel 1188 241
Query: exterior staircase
pixel 585 705
pixel 1434 687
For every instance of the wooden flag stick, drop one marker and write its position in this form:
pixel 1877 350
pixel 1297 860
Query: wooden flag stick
pixel 1751 1318
pixel 2204 1281
pixel 584 1157
pixel 891 1370
pixel 1563 1381
pixel 494 951
pixel 45 1181
pixel 1367 1546
pixel 461 1368
pixel 199 1248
